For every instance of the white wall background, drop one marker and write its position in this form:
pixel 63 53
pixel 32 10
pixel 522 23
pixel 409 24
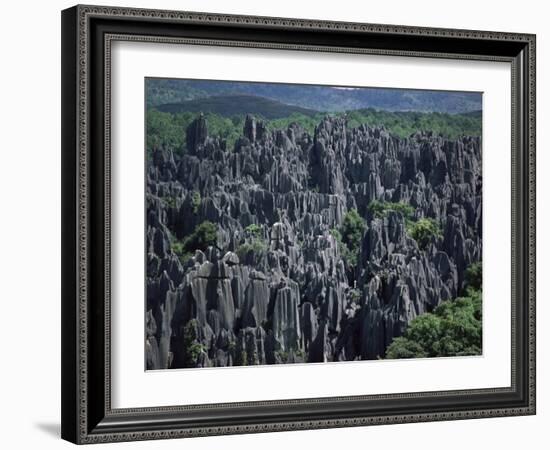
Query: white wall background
pixel 30 223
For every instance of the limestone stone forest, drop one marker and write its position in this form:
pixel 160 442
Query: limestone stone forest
pixel 343 242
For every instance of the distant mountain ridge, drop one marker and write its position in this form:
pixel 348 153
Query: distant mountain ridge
pixel 232 105
pixel 315 97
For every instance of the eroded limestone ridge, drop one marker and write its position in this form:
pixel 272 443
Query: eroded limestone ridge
pixel 275 285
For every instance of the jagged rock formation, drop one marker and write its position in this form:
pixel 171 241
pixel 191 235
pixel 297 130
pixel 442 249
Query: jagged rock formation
pixel 275 287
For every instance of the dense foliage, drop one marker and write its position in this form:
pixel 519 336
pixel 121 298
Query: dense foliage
pixel 424 231
pixel 405 123
pixel 350 236
pixel 203 236
pixel 453 329
pixel 474 276
pixel 168 130
pixel 400 123
pixel 165 129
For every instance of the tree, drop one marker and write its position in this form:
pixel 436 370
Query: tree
pixel 474 276
pixel 423 231
pixel 453 329
pixel 204 236
pixel 380 209
pixel 162 131
pixel 403 348
pixel 351 235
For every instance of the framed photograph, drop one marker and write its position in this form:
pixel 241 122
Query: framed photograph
pixel 281 224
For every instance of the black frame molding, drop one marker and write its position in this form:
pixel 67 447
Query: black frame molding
pixel 87 34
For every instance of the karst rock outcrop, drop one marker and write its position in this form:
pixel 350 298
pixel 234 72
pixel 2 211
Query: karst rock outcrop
pixel 275 286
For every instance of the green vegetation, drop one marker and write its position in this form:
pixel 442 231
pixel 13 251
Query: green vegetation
pixel 204 236
pixel 179 250
pixel 350 236
pixel 191 347
pixel 352 229
pixel 163 130
pixel 167 129
pixel 256 247
pixel 405 123
pixel 172 202
pixel 227 128
pixel 474 276
pixel 453 329
pixel 400 123
pixel 253 229
pixel 423 231
pixel 403 348
pixel 307 122
pixel 195 201
pixel 380 209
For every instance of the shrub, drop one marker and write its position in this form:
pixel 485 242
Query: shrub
pixel 177 247
pixel 204 236
pixel 169 201
pixel 423 231
pixel 253 229
pixel 180 252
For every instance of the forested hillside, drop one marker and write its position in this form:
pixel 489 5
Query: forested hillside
pixel 315 97
pixel 226 116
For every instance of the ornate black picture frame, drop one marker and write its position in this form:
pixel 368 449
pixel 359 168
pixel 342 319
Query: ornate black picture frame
pixel 87 35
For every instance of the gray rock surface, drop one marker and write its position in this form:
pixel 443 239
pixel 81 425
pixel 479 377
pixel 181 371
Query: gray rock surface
pixel 276 287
